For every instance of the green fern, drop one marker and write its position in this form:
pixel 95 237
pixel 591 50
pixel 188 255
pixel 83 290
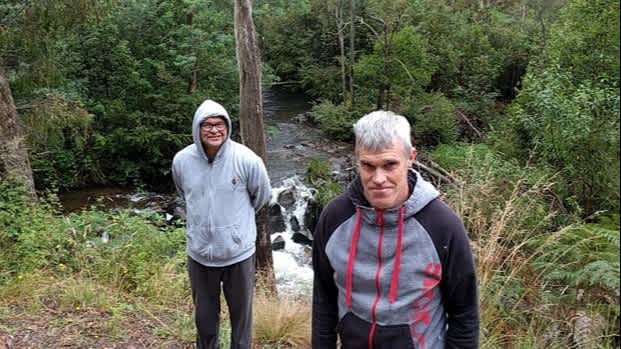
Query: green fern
pixel 585 255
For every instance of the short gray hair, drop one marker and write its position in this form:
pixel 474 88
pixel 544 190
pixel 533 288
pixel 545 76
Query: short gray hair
pixel 378 130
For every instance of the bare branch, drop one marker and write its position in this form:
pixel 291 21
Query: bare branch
pixel 465 118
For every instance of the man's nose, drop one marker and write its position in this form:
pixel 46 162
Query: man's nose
pixel 379 176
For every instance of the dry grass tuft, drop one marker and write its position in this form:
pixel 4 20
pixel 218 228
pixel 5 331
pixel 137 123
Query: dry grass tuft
pixel 281 322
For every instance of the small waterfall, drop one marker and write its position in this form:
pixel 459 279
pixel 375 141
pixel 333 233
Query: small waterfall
pixel 291 236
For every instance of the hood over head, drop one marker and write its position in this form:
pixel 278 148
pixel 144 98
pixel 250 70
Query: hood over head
pixel 207 110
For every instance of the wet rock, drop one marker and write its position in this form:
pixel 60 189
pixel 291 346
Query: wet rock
pixel 278 243
pixel 311 215
pixel 311 117
pixel 286 199
pixel 295 225
pixel 308 254
pixel 305 257
pixel 300 238
pixel 302 118
pixel 276 221
pixel 174 210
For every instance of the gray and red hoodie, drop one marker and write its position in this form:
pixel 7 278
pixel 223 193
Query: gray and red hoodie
pixel 393 279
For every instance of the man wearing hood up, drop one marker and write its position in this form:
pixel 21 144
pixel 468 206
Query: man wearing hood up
pixel 392 262
pixel 223 184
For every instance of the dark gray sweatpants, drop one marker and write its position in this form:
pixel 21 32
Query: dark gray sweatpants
pixel 237 282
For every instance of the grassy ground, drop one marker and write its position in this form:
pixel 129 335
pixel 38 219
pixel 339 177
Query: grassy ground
pixel 38 311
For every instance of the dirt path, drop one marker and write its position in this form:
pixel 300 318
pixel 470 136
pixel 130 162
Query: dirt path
pixel 84 330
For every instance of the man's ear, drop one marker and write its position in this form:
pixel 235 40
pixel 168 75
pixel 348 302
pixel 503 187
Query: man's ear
pixel 412 158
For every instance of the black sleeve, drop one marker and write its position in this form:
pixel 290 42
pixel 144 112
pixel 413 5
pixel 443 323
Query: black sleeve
pixel 325 293
pixel 459 284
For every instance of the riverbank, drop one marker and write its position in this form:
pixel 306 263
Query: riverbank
pixel 94 279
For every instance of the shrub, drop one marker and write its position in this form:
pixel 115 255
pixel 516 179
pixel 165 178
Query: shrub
pixel 571 128
pixel 321 81
pixel 60 135
pixel 318 171
pixel 433 119
pixel 567 112
pixel 526 273
pixel 123 250
pixel 326 192
pixel 500 213
pixel 335 120
pixel 319 176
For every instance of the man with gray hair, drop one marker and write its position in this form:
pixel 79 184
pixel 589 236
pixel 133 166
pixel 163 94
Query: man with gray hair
pixel 393 264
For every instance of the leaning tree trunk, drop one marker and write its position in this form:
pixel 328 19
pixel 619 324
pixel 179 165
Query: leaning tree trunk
pixel 14 162
pixel 251 119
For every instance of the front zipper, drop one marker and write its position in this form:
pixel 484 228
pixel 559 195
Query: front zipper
pixel 209 212
pixel 378 290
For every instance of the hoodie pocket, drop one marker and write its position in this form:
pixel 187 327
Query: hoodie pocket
pixel 226 242
pixel 221 244
pixel 354 334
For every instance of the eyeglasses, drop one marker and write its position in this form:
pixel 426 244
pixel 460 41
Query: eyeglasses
pixel 208 127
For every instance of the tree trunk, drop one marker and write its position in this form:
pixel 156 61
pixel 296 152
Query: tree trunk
pixel 384 98
pixel 251 119
pixel 352 53
pixel 193 83
pixel 340 27
pixel 14 162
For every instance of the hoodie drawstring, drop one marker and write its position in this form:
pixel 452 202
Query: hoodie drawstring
pixel 352 257
pixel 394 283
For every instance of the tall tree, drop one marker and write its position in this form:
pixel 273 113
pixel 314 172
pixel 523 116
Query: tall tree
pixel 340 31
pixel 387 18
pixel 251 117
pixel 14 160
pixel 352 48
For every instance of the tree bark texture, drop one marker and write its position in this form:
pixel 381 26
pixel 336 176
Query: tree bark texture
pixel 14 162
pixel 251 118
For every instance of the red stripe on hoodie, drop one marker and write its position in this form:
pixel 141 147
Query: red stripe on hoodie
pixel 378 290
pixel 394 283
pixel 352 258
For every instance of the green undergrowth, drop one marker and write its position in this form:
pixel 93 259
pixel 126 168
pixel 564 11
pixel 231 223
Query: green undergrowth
pixel 112 277
pixel 546 277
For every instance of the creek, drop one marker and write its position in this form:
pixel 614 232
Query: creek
pixel 292 142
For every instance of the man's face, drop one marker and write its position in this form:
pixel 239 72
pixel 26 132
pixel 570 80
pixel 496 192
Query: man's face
pixel 384 175
pixel 213 132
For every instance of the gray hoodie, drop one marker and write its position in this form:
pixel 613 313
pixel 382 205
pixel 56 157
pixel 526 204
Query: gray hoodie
pixel 401 278
pixel 220 196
